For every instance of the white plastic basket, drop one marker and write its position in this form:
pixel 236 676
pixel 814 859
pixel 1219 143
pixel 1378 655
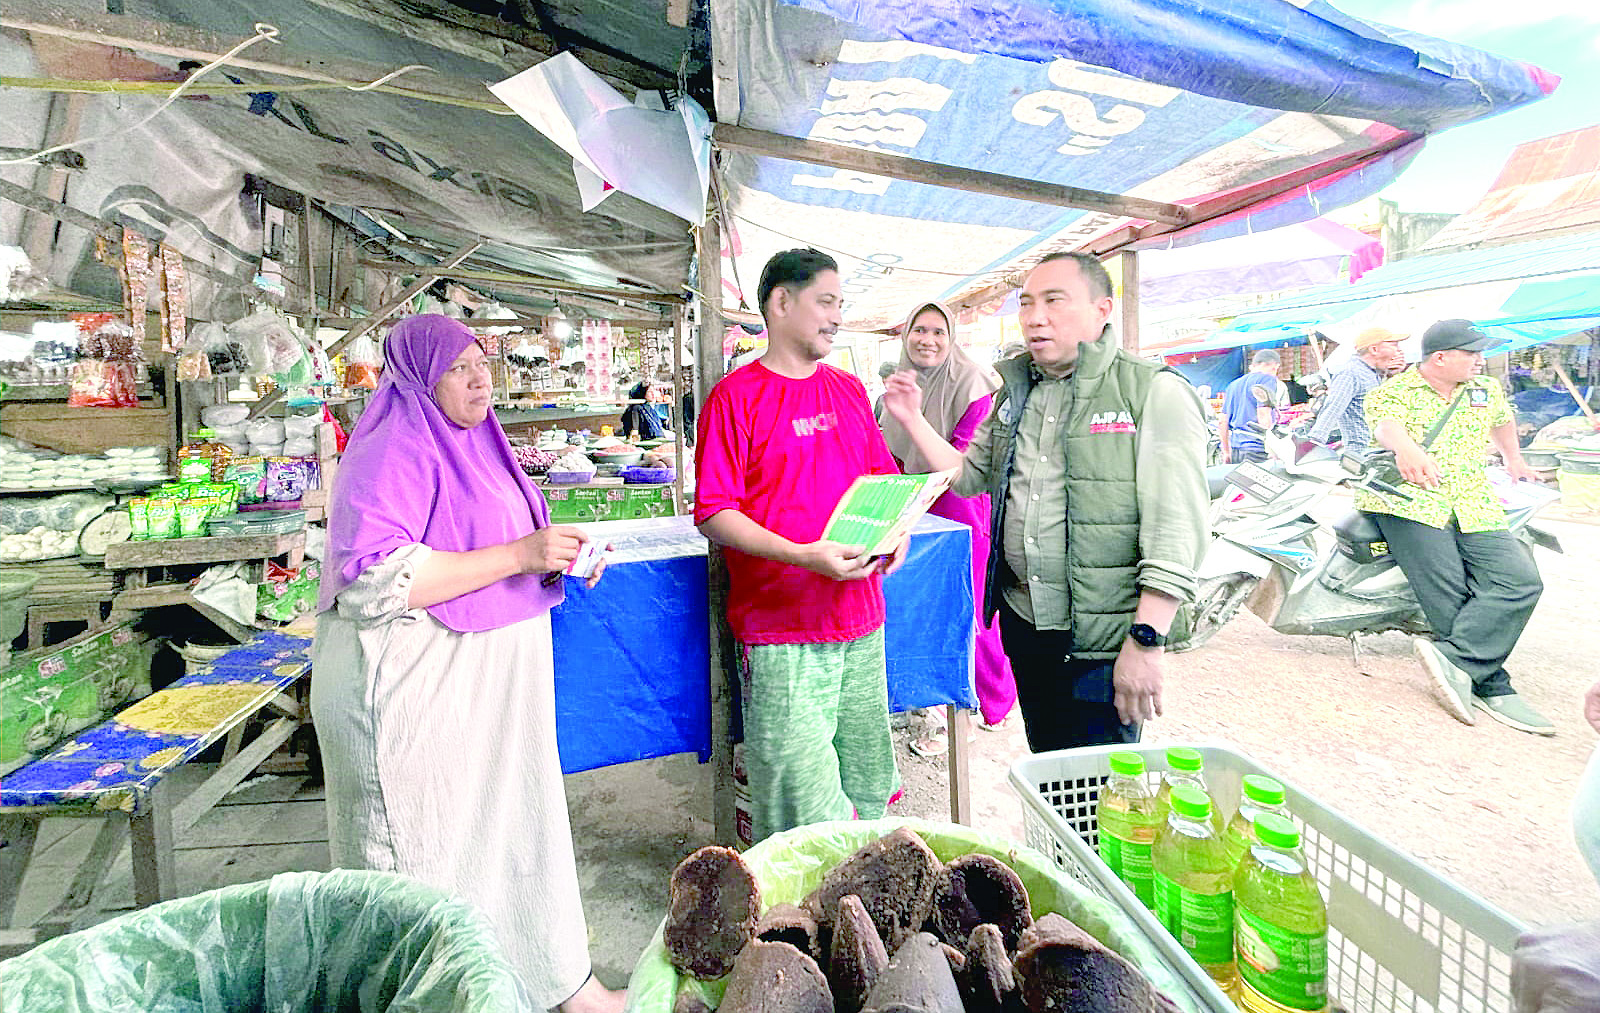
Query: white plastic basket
pixel 1400 936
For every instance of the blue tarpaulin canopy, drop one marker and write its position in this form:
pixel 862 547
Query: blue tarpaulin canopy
pixel 1250 114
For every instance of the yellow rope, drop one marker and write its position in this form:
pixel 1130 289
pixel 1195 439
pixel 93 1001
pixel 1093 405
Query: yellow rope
pixel 98 87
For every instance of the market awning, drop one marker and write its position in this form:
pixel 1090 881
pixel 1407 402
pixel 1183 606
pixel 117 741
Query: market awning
pixel 1229 116
pixel 1298 256
pixel 1475 283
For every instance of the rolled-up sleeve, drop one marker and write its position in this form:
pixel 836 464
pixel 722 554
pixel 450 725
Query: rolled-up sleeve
pixel 1172 494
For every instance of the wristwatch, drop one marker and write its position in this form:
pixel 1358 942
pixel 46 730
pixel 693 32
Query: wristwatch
pixel 1145 635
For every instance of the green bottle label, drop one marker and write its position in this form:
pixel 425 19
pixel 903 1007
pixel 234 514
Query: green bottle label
pixel 1202 922
pixel 1290 968
pixel 1130 860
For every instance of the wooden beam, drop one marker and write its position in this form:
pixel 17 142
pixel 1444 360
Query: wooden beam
pixel 426 276
pixel 527 280
pixel 915 170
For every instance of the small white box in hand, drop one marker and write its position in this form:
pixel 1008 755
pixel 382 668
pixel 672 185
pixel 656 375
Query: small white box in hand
pixel 590 556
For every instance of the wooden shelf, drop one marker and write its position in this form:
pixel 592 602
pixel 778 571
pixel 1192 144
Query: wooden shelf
pixel 220 549
pixel 162 595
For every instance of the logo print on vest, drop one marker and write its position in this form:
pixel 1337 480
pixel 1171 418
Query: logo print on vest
pixel 1112 422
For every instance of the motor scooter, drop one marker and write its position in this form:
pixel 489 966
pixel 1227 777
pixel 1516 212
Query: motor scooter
pixel 1268 553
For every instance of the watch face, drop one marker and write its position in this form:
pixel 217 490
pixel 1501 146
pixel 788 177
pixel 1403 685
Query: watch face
pixel 1144 635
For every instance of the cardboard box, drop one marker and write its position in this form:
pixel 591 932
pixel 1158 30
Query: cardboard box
pixel 49 697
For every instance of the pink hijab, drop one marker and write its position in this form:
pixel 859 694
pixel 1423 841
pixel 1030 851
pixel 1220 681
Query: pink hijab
pixel 411 476
pixel 948 390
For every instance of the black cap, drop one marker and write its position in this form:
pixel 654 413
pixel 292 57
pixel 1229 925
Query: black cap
pixel 1448 334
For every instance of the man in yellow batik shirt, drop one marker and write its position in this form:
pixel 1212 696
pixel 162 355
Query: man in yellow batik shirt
pixel 1476 583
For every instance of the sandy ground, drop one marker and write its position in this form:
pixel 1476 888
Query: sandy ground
pixel 1485 806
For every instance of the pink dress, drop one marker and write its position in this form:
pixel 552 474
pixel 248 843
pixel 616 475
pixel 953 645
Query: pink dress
pixel 997 691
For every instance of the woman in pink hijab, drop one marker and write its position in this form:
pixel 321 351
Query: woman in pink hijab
pixel 956 394
pixel 434 688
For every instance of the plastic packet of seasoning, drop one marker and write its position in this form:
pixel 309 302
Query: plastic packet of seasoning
pixel 138 519
pixel 162 518
pixel 194 470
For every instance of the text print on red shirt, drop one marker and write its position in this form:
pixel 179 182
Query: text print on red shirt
pixel 816 424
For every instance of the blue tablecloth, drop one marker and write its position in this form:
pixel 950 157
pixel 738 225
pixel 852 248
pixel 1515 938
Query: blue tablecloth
pixel 632 656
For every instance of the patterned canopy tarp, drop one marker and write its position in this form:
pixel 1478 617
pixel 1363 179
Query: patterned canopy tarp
pixel 1253 113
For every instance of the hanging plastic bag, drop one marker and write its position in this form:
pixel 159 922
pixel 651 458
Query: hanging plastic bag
pixel 269 342
pixel 194 362
pixel 362 363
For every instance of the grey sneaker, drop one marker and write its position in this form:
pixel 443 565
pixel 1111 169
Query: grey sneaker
pixel 1514 711
pixel 1453 685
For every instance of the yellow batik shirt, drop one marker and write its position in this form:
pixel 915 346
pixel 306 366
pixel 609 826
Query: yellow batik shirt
pixel 1461 450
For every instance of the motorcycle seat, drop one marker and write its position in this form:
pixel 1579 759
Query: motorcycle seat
pixel 1356 527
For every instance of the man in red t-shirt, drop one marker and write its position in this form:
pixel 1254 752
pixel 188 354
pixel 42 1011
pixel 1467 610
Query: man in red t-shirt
pixel 780 440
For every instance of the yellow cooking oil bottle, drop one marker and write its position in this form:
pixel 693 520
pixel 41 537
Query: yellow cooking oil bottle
pixel 1258 794
pixel 1194 885
pixel 1280 924
pixel 1128 823
pixel 1185 766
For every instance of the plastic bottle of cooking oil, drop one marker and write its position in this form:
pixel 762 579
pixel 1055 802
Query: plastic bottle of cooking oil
pixel 1128 823
pixel 1280 924
pixel 1258 794
pixel 1194 885
pixel 1185 766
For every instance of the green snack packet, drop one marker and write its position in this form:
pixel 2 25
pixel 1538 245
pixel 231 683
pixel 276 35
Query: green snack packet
pixel 249 474
pixel 162 518
pixel 138 518
pixel 194 469
pixel 192 515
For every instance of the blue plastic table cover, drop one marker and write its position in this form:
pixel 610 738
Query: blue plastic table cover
pixel 632 656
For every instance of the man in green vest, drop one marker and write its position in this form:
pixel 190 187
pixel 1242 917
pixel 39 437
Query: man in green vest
pixel 1094 461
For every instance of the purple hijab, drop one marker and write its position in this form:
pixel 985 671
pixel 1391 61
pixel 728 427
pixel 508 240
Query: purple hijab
pixel 409 475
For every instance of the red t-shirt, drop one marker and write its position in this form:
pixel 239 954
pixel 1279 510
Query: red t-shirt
pixel 782 452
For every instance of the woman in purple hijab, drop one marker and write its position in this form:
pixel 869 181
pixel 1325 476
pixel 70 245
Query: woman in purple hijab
pixel 434 690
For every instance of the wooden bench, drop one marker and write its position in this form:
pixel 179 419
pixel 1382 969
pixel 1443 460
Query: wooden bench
pixel 116 770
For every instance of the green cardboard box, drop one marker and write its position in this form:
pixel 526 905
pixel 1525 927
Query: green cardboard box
pixel 45 698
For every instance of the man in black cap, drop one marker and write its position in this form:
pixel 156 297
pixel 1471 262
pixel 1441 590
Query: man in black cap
pixel 1476 583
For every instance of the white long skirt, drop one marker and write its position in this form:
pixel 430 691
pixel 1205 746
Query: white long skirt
pixel 439 751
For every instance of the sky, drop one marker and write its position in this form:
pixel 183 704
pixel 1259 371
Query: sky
pixel 1562 36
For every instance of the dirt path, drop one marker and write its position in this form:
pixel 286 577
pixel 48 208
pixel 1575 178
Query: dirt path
pixel 1485 806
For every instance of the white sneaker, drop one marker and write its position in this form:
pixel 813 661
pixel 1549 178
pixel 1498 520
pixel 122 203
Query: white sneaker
pixel 1454 687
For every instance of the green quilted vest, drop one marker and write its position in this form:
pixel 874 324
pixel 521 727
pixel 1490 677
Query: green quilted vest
pixel 1099 436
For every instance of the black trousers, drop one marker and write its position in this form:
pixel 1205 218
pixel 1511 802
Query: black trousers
pixel 1066 702
pixel 1477 589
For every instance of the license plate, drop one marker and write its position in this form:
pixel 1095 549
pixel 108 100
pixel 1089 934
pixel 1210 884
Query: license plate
pixel 1258 482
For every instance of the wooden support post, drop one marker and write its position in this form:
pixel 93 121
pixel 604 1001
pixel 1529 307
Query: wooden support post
pixel 62 125
pixel 17 837
pixel 150 834
pixel 709 370
pixel 958 723
pixel 677 407
pixel 308 270
pixel 1130 301
pixel 1566 381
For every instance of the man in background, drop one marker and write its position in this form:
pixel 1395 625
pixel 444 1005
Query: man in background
pixel 1344 406
pixel 1253 398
